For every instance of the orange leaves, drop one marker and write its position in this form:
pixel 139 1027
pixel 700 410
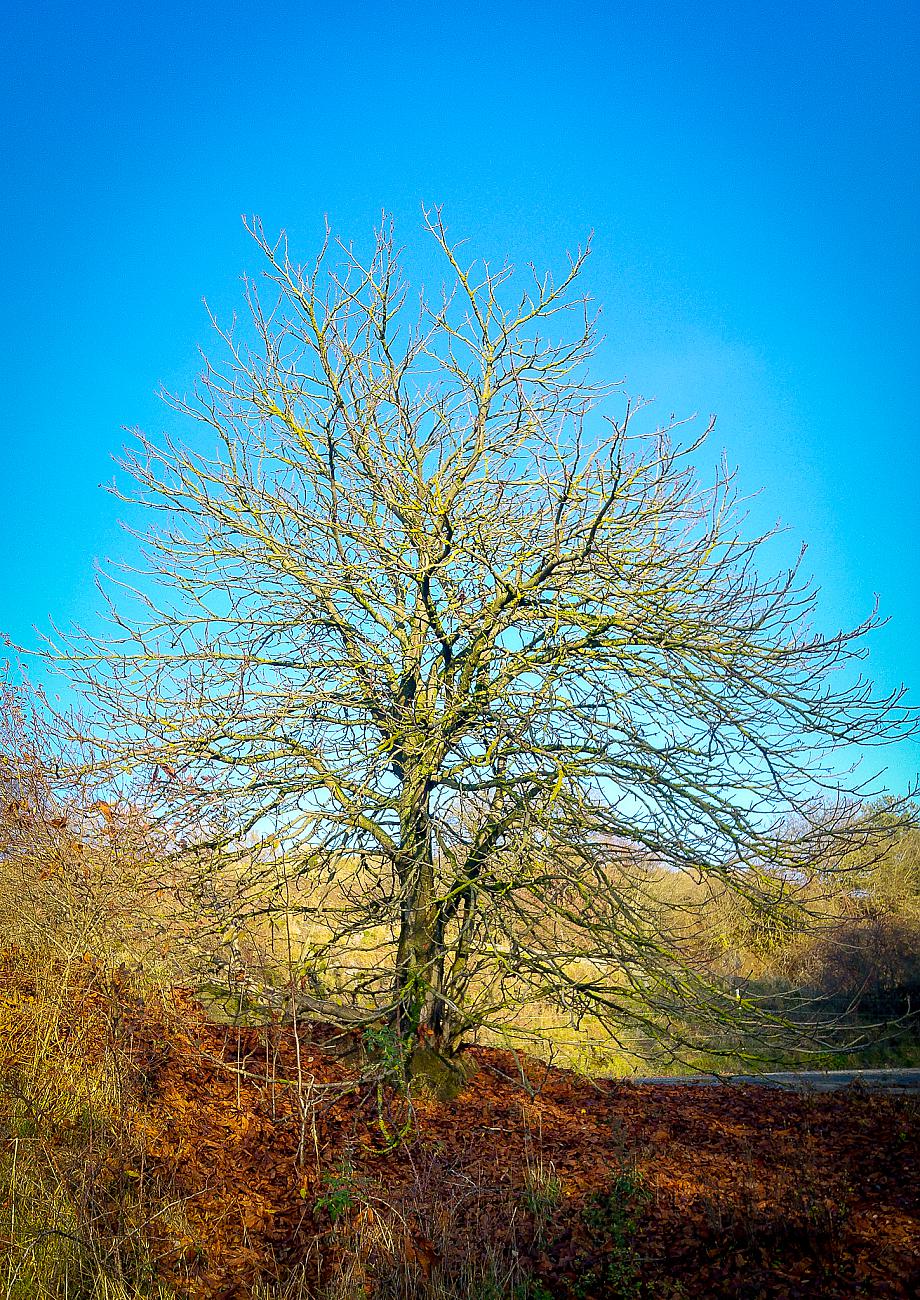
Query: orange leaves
pixel 108 814
pixel 420 1251
pixel 17 813
pixel 752 1192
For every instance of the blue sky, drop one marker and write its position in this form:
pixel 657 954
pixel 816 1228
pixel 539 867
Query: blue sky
pixel 750 174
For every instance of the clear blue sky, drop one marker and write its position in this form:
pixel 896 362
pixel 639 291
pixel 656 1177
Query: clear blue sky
pixel 750 172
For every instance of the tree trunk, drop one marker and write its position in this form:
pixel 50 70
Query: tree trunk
pixel 420 1015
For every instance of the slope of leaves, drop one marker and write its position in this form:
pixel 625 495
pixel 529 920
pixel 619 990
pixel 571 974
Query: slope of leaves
pixel 251 1154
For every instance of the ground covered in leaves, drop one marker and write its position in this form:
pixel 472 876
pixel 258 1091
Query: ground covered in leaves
pixel 246 1154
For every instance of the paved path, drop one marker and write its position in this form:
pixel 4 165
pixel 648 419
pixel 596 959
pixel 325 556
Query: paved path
pixel 804 1081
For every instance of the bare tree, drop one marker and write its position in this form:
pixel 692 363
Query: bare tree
pixel 456 662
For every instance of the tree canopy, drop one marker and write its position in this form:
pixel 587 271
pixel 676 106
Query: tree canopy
pixel 461 643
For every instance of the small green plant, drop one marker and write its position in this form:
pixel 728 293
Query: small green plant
pixel 338 1196
pixel 387 1050
pixel 383 1045
pixel 611 1218
pixel 532 1289
pixel 542 1189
